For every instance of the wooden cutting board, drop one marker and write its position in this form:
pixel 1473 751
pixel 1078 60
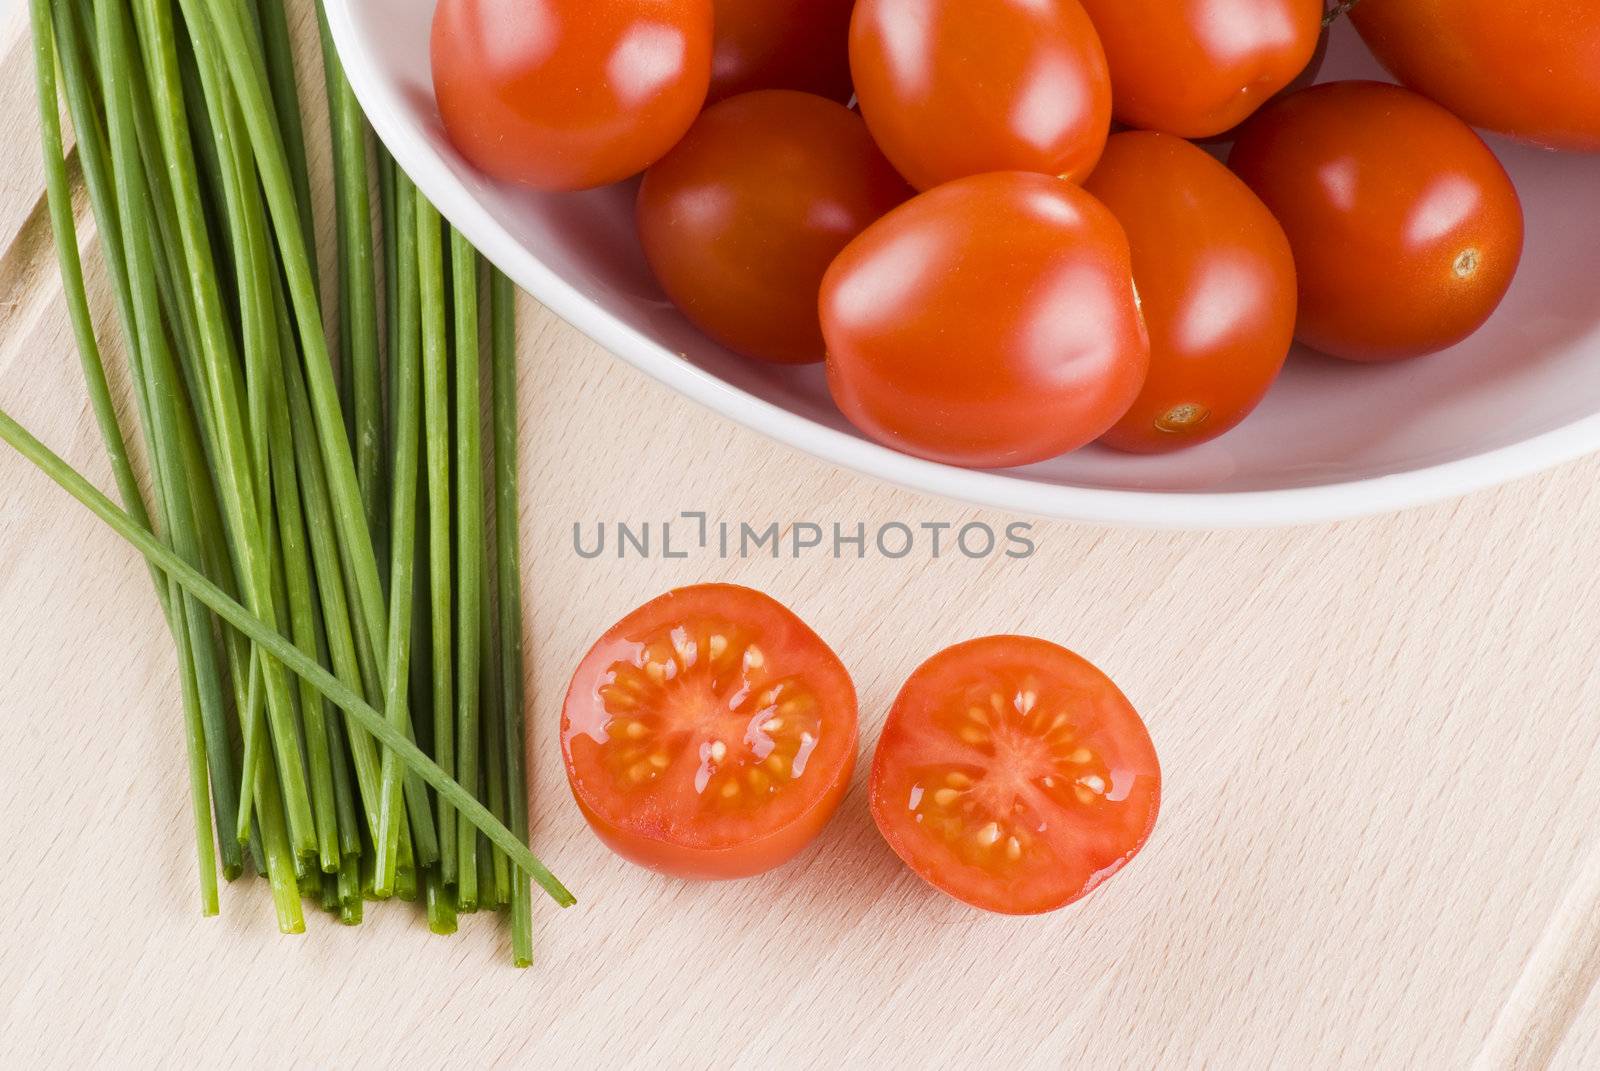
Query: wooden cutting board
pixel 1380 743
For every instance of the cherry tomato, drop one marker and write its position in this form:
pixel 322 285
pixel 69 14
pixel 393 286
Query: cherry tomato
pixel 1216 285
pixel 569 94
pixel 963 87
pixel 741 220
pixel 1406 230
pixel 1198 67
pixel 709 734
pixel 1528 68
pixel 989 322
pixel 782 44
pixel 1014 776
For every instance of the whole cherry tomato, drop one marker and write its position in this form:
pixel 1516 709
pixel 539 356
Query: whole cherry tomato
pixel 782 44
pixel 1528 68
pixel 569 94
pixel 1198 67
pixel 989 322
pixel 1216 285
pixel 1014 776
pixel 740 221
pixel 963 87
pixel 709 733
pixel 1406 230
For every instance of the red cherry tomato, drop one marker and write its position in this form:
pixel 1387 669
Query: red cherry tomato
pixel 569 94
pixel 741 220
pixel 989 322
pixel 709 734
pixel 1014 776
pixel 1528 68
pixel 782 44
pixel 963 87
pixel 1406 230
pixel 1216 285
pixel 1198 67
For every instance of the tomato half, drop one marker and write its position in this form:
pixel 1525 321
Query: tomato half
pixel 963 87
pixel 1198 67
pixel 1014 776
pixel 1528 68
pixel 1406 230
pixel 709 734
pixel 782 44
pixel 989 322
pixel 569 94
pixel 1216 285
pixel 740 221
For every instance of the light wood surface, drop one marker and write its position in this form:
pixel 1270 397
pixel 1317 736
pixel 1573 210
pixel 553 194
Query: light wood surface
pixel 1379 740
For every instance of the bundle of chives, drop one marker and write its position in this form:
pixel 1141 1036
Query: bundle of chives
pixel 300 522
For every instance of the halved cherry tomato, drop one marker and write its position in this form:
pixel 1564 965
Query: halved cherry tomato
pixel 1216 285
pixel 740 221
pixel 782 44
pixel 1014 776
pixel 709 734
pixel 569 94
pixel 989 322
pixel 963 87
pixel 1528 68
pixel 1406 230
pixel 1198 67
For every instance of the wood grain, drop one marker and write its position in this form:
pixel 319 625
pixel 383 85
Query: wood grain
pixel 1379 739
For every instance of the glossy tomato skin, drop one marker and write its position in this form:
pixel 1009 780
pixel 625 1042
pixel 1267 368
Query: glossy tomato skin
pixel 1196 68
pixel 726 758
pixel 569 94
pixel 1528 68
pixel 782 44
pixel 989 322
pixel 1014 776
pixel 740 221
pixel 1406 230
pixel 1216 285
pixel 963 87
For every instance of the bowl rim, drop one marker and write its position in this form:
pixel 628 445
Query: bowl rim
pixel 1155 509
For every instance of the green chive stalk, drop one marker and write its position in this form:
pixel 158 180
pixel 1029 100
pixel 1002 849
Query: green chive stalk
pixel 508 542
pixel 469 542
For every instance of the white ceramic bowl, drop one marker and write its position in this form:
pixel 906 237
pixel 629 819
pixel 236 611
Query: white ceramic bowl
pixel 1332 440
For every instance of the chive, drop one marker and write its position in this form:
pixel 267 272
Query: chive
pixel 237 492
pixel 359 309
pixel 247 70
pixel 497 890
pixel 348 887
pixel 279 52
pixel 469 553
pixel 503 356
pixel 192 581
pixel 406 358
pixel 280 857
pixel 198 686
pixel 441 903
pixel 303 622
pixel 436 433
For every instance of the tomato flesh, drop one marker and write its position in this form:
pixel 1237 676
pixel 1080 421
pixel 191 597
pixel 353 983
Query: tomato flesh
pixel 1014 776
pixel 709 733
